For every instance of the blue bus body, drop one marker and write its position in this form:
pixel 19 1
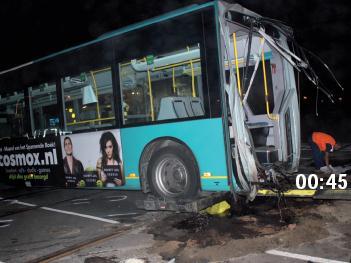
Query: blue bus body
pixel 163 89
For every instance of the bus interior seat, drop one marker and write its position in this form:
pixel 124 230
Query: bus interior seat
pixel 172 108
pixel 259 136
pixel 266 154
pixel 196 106
pixel 180 107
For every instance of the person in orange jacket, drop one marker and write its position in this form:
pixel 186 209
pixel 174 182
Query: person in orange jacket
pixel 322 144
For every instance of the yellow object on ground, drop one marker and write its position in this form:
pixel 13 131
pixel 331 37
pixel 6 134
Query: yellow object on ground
pixel 218 208
pixel 289 192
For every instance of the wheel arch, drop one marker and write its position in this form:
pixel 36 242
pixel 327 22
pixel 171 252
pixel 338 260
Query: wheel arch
pixel 151 148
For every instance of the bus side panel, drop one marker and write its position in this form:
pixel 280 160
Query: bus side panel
pixel 203 137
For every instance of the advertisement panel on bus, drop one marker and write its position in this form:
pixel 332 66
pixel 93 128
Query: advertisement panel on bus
pixel 36 161
pixel 93 159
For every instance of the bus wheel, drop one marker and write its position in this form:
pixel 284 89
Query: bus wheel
pixel 173 173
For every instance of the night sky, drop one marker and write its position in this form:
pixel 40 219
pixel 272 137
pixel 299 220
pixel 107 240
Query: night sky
pixel 33 29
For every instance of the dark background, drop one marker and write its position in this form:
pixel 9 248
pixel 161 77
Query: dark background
pixel 32 29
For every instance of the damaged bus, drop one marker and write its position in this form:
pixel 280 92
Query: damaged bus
pixel 199 99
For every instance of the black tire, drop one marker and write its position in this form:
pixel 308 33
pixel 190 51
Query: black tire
pixel 173 173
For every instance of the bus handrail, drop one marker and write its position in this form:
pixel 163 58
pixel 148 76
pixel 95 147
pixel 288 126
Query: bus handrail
pixel 271 116
pixel 192 76
pixel 150 94
pixel 91 120
pixel 50 130
pixel 237 63
pixel 42 133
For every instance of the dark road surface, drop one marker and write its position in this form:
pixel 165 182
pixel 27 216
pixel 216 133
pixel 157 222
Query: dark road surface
pixel 37 222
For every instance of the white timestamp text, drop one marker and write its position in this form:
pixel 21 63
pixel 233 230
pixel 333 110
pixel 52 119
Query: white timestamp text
pixel 314 182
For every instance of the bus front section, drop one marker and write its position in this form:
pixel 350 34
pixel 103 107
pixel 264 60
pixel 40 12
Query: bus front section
pixel 261 97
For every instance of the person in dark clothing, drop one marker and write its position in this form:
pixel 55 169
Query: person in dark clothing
pixel 322 144
pixel 109 167
pixel 72 167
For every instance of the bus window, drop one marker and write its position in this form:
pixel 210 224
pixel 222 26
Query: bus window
pixel 44 110
pixel 161 87
pixel 88 100
pixel 12 114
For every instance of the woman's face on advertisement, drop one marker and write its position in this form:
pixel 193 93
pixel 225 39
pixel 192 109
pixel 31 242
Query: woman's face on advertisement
pixel 109 149
pixel 68 147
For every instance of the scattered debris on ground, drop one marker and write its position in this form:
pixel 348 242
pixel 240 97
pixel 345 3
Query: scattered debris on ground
pixel 202 237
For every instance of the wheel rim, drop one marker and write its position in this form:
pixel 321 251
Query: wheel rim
pixel 171 176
